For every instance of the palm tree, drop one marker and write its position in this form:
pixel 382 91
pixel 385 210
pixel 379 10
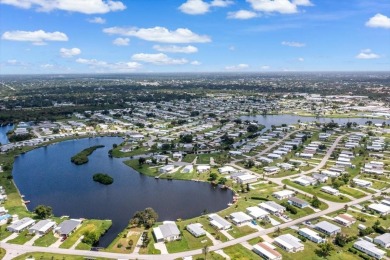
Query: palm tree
pixel 205 251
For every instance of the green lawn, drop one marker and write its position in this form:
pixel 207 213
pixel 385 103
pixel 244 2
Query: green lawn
pixel 238 252
pixel 46 240
pixel 188 242
pixel 98 226
pixel 237 232
pixel 315 190
pixel 352 192
pixel 22 238
pixel 49 256
pixel 189 158
pixel 144 169
pixel 2 253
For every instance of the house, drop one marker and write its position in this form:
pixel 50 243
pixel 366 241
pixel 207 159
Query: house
pixel 239 218
pixel 20 225
pixel 203 168
pixel 305 180
pixel 320 177
pixel 362 183
pixel 67 227
pixel 327 228
pixel 283 194
pixel 272 207
pixel 226 170
pixel 383 240
pixel 345 219
pixel 271 169
pixel 42 227
pixel 188 169
pixel 330 190
pixel 311 235
pixel 247 178
pixel 267 251
pixel 177 155
pixel 369 248
pixel 298 202
pixel 166 168
pixel 289 243
pixel 196 229
pixel 168 231
pixel 219 222
pixel 380 208
pixel 256 212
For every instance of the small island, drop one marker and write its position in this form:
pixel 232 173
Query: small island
pixel 103 178
pixel 82 157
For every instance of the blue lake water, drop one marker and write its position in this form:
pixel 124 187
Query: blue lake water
pixel 3 133
pixel 46 176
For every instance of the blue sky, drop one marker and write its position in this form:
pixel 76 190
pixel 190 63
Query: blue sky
pixel 99 36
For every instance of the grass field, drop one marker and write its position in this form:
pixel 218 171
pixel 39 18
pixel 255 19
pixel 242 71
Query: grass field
pixel 46 240
pixel 352 192
pixel 98 226
pixel 316 191
pixel 121 242
pixel 22 238
pixel 238 252
pixel 49 256
pixel 187 242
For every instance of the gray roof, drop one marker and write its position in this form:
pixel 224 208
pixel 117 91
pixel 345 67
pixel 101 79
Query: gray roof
pixel 169 229
pixel 196 229
pixel 291 240
pixel 385 238
pixel 66 227
pixel 275 205
pixel 41 224
pixel 326 226
pixel 20 223
pixel 297 200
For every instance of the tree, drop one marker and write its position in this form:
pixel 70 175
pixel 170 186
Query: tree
pixel 252 128
pixel 222 180
pixel 141 160
pixel 325 249
pixel 205 251
pixel 43 211
pixel 90 238
pixel 130 243
pixel 186 139
pixel 213 176
pixel 249 163
pixel 315 202
pixel 146 217
pixel 341 239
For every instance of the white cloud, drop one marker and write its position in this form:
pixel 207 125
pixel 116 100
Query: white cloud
pixel 301 59
pixel 278 6
pixel 15 63
pixel 81 6
pixel 107 66
pixel 367 54
pixel 265 67
pixel 294 44
pixel 98 20
pixel 196 7
pixel 176 49
pixel 37 37
pixel 196 63
pixel 68 53
pixel 241 66
pixel 221 3
pixel 121 41
pixel 158 58
pixel 160 34
pixel 242 15
pixel 302 2
pixel 379 21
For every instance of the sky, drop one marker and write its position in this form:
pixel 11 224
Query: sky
pixel 132 36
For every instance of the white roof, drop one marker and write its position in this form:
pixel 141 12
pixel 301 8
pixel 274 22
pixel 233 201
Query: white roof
pixel 256 212
pixel 246 177
pixel 369 246
pixel 267 249
pixel 310 233
pixel 382 208
pixel 289 241
pixel 240 217
pixel 283 193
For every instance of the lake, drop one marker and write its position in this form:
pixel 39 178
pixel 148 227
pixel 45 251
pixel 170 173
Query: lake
pixel 3 133
pixel 46 176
